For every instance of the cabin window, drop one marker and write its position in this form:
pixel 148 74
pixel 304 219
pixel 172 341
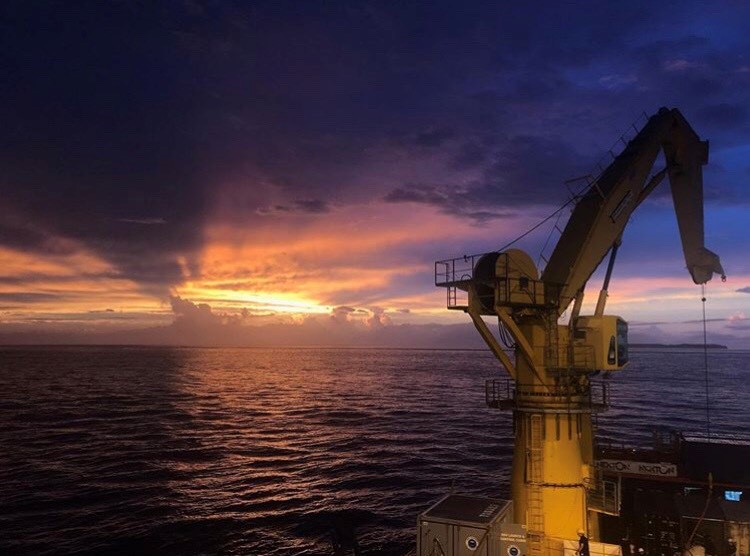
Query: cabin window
pixel 622 342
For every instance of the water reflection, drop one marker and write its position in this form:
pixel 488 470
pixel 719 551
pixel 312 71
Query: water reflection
pixel 262 451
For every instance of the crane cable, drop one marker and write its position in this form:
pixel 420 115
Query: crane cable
pixel 539 224
pixel 549 237
pixel 688 544
pixel 705 363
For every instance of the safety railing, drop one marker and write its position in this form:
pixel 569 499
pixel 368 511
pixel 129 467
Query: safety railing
pixel 506 289
pixel 456 298
pixel 519 291
pixel 452 271
pixel 603 494
pixel 507 394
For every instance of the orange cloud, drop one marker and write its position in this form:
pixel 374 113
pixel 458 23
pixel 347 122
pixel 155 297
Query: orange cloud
pixel 359 254
pixel 72 286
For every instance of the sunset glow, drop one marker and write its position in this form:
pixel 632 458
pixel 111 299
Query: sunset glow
pixel 317 189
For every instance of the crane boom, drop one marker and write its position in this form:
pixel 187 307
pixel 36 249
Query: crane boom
pixel 601 214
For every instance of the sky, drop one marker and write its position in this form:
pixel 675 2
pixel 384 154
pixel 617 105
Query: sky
pixel 286 173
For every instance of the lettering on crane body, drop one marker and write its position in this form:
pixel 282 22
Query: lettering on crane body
pixel 661 469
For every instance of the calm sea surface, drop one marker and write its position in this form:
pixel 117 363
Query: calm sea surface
pixel 248 451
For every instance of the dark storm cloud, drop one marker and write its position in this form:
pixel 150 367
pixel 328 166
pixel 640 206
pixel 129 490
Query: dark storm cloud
pixel 313 206
pixel 18 234
pixel 524 171
pixel 97 128
pixel 532 170
pixel 143 221
pixel 308 206
pixel 450 200
pixel 121 120
pixel 434 137
pixel 194 314
pixel 696 321
pixel 31 278
pixel 27 297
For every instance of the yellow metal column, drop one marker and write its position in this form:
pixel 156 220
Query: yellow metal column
pixel 553 445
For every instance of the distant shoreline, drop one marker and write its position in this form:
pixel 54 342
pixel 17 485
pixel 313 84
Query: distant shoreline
pixel 694 346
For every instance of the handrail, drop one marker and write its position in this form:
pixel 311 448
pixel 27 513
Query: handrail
pixel 507 393
pixel 458 269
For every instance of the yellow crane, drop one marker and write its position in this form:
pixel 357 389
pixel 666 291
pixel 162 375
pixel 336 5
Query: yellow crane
pixel 554 485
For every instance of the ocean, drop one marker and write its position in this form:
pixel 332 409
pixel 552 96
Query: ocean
pixel 134 450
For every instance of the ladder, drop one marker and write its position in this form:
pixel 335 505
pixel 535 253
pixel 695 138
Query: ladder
pixel 552 355
pixel 535 501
